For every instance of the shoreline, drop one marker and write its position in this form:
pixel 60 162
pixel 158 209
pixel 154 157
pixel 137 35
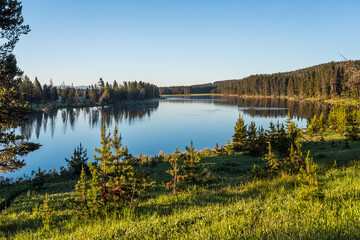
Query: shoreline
pixel 341 101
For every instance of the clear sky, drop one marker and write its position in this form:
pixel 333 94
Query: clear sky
pixel 182 42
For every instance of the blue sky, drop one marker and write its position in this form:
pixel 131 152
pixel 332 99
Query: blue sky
pixel 182 42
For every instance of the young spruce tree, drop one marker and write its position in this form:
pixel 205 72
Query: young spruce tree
pixel 192 163
pixel 240 135
pixel 174 161
pixel 78 160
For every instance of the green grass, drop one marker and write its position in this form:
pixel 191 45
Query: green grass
pixel 192 94
pixel 232 206
pixel 344 101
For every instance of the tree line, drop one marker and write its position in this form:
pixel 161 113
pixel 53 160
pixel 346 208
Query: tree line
pixel 330 80
pixel 101 93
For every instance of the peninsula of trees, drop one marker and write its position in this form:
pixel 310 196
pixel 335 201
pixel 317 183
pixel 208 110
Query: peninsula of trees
pixel 325 81
pixel 102 93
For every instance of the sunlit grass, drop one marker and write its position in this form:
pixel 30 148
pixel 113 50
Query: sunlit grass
pixel 234 206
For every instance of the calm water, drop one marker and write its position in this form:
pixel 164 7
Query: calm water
pixel 151 126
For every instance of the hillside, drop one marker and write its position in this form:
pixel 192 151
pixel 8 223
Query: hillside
pixel 329 80
pixel 229 205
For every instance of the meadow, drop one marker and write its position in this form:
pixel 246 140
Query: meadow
pixel 228 204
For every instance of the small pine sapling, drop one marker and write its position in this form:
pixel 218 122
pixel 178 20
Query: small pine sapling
pixel 217 149
pixel 192 164
pixel 240 135
pixel 78 160
pixel 174 161
pixel 104 160
pixel 310 187
pixel 81 191
pixel 94 200
pixel 316 125
pixel 228 148
pixel 352 132
pixel 46 211
pixel 273 164
pixel 337 118
pixel 295 160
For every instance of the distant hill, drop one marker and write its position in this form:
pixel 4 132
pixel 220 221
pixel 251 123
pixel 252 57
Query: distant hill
pixel 329 80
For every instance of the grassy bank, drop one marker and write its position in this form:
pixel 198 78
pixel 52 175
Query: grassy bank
pixel 192 94
pixel 337 101
pixel 231 205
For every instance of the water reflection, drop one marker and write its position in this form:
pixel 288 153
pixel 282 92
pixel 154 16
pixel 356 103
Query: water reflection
pixel 262 107
pixel 95 116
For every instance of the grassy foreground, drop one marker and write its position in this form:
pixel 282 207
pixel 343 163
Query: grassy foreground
pixel 231 205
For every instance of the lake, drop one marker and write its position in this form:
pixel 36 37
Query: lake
pixel 151 126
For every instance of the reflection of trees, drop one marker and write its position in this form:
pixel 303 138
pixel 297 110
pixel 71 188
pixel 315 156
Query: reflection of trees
pixel 95 115
pixel 264 107
pixel 129 112
pixel 69 118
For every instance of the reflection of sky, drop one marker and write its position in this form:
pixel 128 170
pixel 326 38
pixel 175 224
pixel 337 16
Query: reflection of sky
pixel 169 124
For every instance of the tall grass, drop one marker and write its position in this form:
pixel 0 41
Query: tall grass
pixel 231 207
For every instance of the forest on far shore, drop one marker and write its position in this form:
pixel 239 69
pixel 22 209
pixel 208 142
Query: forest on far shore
pixel 325 81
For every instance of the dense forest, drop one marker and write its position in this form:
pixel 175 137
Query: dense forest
pixel 330 80
pixel 101 93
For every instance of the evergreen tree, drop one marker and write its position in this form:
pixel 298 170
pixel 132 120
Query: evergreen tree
pixel 37 91
pixel 105 159
pixel 94 194
pixel 311 188
pixel 228 148
pixel 12 106
pixel 78 160
pixel 251 148
pixel 192 164
pixel 46 210
pixel 337 118
pixel 218 150
pixel 174 161
pixel 353 126
pixel 240 135
pixel 273 165
pixel 81 191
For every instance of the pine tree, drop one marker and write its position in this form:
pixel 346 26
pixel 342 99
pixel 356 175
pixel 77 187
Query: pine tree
pixel 78 160
pixel 316 125
pixel 240 135
pixel 12 106
pixel 291 127
pixel 105 160
pixel 251 147
pixel 309 181
pixel 353 127
pixel 192 164
pixel 228 148
pixel 37 91
pixel 81 191
pixel 46 210
pixel 337 118
pixel 122 178
pixel 95 201
pixel 273 165
pixel 115 181
pixel 174 161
